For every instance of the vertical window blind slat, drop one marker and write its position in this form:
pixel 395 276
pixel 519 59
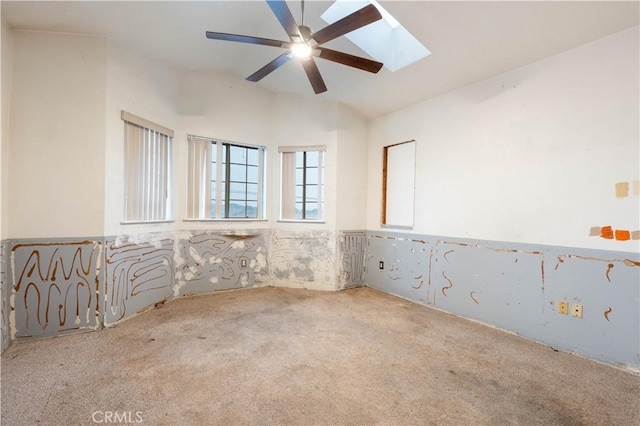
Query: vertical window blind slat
pixel 147 169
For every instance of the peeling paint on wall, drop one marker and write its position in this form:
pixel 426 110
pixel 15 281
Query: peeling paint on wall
pixel 504 278
pixel 5 334
pixel 304 259
pixel 208 261
pixel 507 285
pixel 407 265
pixel 56 287
pixel 352 253
pixel 138 274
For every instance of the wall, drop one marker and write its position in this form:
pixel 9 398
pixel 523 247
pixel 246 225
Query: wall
pixel 507 250
pixel 530 156
pixel 301 121
pixel 517 287
pixel 6 68
pixel 56 136
pixel 148 89
pixel 352 169
pixel 6 64
pixel 513 174
pixel 82 278
pixel 222 106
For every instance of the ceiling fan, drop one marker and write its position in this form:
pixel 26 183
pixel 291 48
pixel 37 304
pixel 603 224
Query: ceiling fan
pixel 304 44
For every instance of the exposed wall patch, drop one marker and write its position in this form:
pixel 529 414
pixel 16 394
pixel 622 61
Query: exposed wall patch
pixel 352 251
pixel 138 275
pixel 57 286
pixel 595 231
pixel 622 189
pixel 607 232
pixel 609 268
pixel 445 255
pixel 622 235
pixel 444 289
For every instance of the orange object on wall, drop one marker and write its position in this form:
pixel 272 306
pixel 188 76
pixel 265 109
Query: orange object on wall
pixel 607 232
pixel 622 235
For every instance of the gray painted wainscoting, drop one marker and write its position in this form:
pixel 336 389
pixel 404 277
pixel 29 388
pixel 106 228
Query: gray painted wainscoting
pixel 517 287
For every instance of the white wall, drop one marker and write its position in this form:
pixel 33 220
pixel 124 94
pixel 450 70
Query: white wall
pixel 56 136
pixel 301 121
pixel 6 65
pixel 226 107
pixel 64 77
pixel 222 106
pixel 148 89
pixel 530 156
pixel 351 192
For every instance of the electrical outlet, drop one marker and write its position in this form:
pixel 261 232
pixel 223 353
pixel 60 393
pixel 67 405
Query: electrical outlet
pixel 381 265
pixel 243 263
pixel 563 307
pixel 576 310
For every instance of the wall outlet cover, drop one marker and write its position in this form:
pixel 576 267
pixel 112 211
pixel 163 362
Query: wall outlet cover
pixel 576 310
pixel 563 307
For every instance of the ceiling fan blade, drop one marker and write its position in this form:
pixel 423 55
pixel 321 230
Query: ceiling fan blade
pixel 248 39
pixel 349 60
pixel 357 19
pixel 282 12
pixel 270 67
pixel 313 73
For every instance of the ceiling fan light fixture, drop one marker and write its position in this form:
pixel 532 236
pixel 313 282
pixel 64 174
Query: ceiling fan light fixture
pixel 301 50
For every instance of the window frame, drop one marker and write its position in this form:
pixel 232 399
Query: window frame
pixel 218 145
pixel 147 166
pixel 288 197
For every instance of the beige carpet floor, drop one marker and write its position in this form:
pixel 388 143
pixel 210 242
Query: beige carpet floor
pixel 276 356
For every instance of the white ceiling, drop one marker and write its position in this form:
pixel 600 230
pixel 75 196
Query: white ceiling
pixel 469 41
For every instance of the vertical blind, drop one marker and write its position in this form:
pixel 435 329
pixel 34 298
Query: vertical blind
pixel 147 169
pixel 288 191
pixel 199 175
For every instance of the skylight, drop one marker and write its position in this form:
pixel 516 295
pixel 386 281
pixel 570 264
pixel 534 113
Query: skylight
pixel 386 40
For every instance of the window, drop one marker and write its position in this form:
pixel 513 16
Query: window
pixel 225 180
pixel 398 184
pixel 302 183
pixel 147 170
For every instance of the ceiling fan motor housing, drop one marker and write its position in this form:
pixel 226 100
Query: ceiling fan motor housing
pixel 305 32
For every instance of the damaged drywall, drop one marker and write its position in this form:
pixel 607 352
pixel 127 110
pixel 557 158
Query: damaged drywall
pixel 212 261
pixel 139 274
pixel 404 270
pixel 5 292
pixel 56 287
pixel 517 287
pixel 352 252
pixel 303 259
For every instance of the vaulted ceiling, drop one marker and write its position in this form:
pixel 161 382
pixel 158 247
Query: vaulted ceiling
pixel 469 41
